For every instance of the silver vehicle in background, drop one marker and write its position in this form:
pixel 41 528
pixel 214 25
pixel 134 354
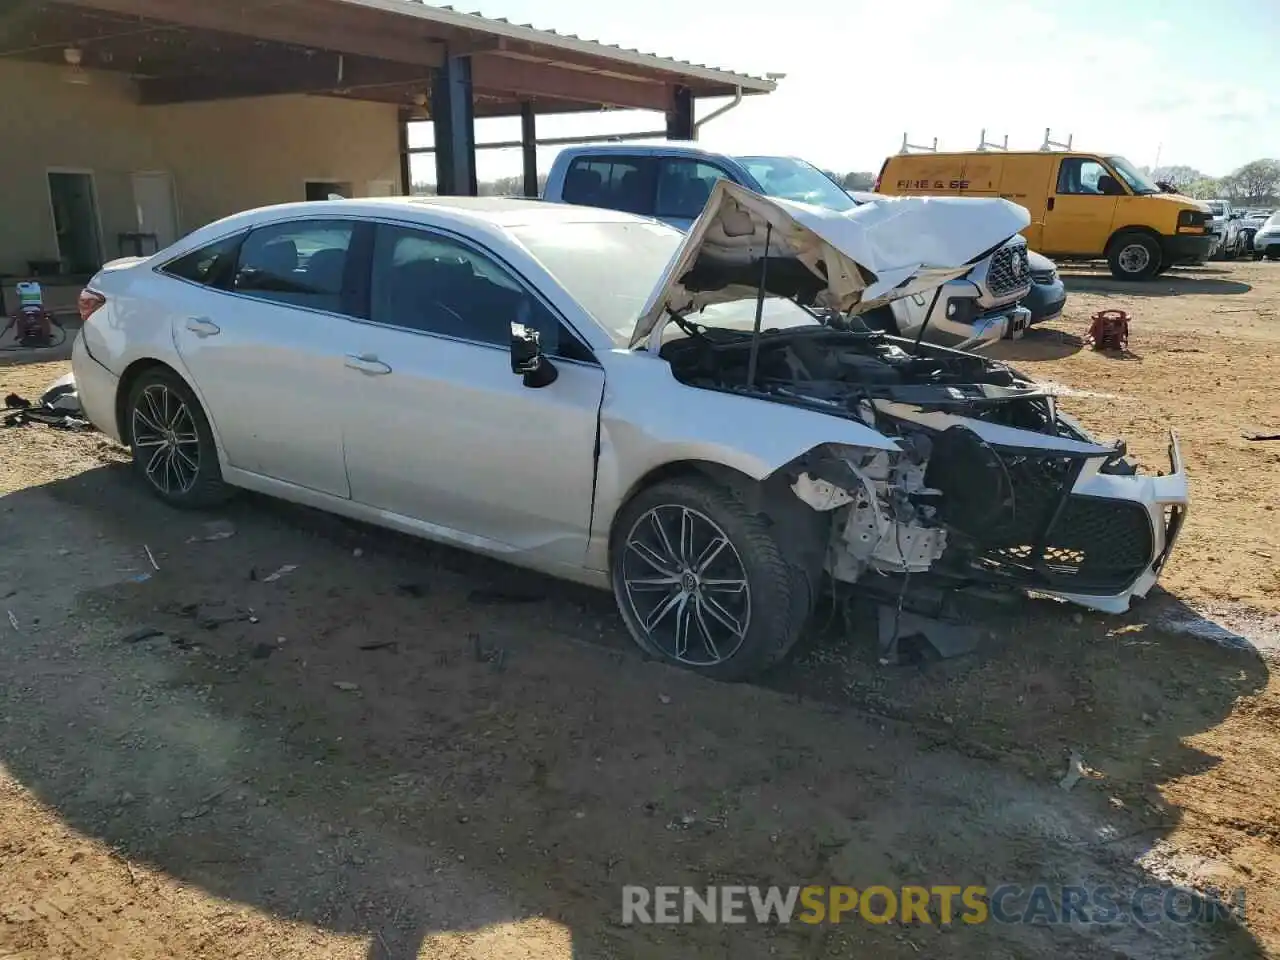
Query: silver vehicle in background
pixel 672 182
pixel 1266 241
pixel 1228 238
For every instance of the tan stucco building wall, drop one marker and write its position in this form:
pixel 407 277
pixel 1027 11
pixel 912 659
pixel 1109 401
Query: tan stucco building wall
pixel 223 156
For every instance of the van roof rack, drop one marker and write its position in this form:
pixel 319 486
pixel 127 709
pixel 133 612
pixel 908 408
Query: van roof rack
pixel 908 147
pixel 984 144
pixel 1054 144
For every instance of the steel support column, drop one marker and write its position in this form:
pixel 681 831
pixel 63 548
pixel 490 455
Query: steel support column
pixel 680 115
pixel 529 148
pixel 406 172
pixel 453 116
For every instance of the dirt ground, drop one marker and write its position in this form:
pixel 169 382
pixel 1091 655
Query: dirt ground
pixel 397 750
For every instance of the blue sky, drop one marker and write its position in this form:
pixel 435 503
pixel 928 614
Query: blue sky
pixel 1196 82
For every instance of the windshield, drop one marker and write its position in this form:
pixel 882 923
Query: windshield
pixel 610 268
pixel 1137 181
pixel 789 179
pixel 1217 207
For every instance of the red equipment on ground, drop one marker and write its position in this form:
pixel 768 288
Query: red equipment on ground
pixel 1109 330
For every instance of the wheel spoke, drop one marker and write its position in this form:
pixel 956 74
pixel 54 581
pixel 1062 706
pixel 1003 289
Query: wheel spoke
pixel 651 557
pixel 684 617
pixel 686 538
pixel 151 425
pixel 713 607
pixel 653 583
pixel 708 639
pixel 656 522
pixel 737 585
pixel 157 416
pixel 148 442
pixel 659 613
pixel 709 554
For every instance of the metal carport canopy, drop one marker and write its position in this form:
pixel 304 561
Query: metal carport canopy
pixel 436 63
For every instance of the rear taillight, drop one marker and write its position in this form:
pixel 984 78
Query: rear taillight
pixel 880 176
pixel 90 300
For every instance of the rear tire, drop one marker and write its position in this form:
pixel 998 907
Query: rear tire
pixel 1134 256
pixel 173 448
pixel 679 550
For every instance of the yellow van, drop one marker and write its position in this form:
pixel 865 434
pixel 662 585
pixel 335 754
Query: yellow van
pixel 1083 206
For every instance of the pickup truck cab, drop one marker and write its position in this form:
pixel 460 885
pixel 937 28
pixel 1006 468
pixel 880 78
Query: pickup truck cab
pixel 672 182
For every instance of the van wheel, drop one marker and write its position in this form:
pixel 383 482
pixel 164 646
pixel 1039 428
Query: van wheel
pixel 1134 256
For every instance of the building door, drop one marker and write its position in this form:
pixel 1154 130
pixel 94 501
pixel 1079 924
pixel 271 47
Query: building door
pixel 75 221
pixel 153 200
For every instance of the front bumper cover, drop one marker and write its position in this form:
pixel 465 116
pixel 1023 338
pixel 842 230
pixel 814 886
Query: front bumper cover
pixel 1164 501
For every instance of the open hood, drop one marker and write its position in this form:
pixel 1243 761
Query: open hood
pixel 849 261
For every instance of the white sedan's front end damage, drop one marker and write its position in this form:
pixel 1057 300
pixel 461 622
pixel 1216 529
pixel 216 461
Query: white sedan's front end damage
pixel 977 477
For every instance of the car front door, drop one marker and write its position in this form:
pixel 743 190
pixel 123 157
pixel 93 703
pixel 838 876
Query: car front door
pixel 266 352
pixel 1079 215
pixel 436 426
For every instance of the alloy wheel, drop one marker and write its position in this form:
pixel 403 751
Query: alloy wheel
pixel 686 585
pixel 165 439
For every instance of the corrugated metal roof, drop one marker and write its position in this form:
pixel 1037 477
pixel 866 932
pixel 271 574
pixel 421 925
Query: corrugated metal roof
pixel 501 27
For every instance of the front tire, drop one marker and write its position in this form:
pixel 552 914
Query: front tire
pixel 1134 256
pixel 701 582
pixel 173 448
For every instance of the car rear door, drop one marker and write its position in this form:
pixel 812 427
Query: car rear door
pixel 266 354
pixel 437 427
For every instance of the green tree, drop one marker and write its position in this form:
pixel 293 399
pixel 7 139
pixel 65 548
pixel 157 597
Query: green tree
pixel 1256 182
pixel 860 180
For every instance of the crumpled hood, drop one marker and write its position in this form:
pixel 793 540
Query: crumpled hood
pixel 850 261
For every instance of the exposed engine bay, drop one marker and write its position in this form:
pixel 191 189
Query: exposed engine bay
pixel 981 485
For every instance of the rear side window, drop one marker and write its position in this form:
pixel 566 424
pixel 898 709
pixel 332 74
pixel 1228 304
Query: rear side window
pixel 211 265
pixel 684 186
pixel 616 183
pixel 302 264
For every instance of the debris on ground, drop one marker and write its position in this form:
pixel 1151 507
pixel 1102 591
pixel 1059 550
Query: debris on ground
pixel 284 571
pixel 377 645
pixel 346 686
pixel 1075 770
pixel 214 530
pixel 142 633
pixel 13 620
pixel 151 556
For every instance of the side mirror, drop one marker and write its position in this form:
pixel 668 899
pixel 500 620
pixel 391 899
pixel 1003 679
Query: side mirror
pixel 527 359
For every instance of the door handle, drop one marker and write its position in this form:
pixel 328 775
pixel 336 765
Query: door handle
pixel 202 326
pixel 367 364
pixel 1049 205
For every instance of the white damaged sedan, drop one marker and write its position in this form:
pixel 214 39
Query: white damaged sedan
pixel 698 422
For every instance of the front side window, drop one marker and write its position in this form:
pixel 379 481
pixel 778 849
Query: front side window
pixel 1079 175
pixel 301 263
pixel 430 282
pixel 620 183
pixel 211 265
pixel 684 186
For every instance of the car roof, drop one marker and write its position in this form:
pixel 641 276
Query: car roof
pixel 644 150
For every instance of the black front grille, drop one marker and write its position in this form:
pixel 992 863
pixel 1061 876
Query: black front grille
pixel 1009 269
pixel 1095 545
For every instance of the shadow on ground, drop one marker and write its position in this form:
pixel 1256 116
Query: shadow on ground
pixel 1037 344
pixel 1167 285
pixel 439 744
